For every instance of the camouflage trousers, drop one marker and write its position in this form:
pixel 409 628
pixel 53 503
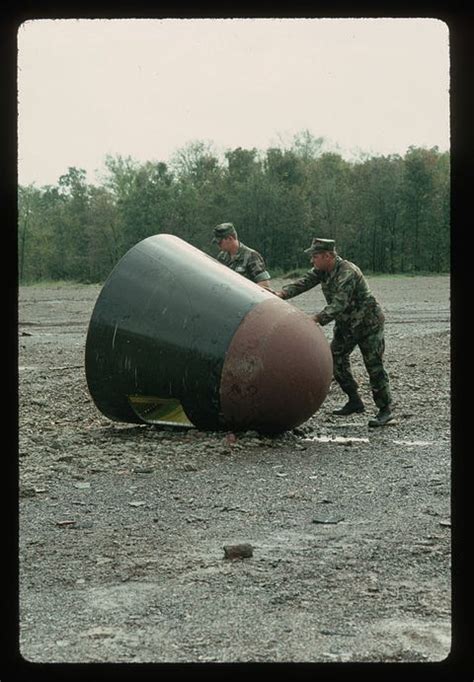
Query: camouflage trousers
pixel 372 347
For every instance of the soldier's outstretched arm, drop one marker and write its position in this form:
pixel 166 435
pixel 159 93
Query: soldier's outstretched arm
pixel 308 281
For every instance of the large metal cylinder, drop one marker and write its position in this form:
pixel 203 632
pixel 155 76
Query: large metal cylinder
pixel 176 337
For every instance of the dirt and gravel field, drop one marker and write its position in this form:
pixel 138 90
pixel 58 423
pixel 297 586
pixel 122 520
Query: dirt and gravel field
pixel 122 527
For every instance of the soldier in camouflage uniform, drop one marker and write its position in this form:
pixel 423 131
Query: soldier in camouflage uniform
pixel 238 257
pixel 359 321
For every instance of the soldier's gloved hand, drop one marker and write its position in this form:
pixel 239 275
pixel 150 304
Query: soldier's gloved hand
pixel 280 294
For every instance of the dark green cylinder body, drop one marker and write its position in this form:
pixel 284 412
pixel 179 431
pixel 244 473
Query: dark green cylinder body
pixel 160 335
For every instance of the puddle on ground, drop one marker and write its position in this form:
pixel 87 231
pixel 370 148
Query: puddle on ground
pixel 335 439
pixel 413 442
pixel 354 439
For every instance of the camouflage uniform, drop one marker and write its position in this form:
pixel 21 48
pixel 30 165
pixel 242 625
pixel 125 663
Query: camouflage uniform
pixel 359 321
pixel 246 262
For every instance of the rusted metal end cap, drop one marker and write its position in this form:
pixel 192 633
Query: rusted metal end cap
pixel 277 370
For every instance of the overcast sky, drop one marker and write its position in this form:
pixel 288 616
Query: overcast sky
pixel 146 87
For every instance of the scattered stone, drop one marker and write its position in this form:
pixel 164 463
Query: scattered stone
pixel 103 560
pixel 336 632
pixel 328 519
pixel 136 504
pixel 298 431
pixel 26 491
pixel 83 525
pixel 100 632
pixel 242 551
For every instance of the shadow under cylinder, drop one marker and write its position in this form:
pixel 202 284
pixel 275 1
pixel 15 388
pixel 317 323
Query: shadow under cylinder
pixel 176 337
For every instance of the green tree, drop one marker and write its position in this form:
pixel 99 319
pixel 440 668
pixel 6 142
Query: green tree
pixel 199 179
pixel 388 214
pixel 425 200
pixel 28 198
pixel 376 213
pixel 73 228
pixel 306 146
pixel 328 194
pixel 105 243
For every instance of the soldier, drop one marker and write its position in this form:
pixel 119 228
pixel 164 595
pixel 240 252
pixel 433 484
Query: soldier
pixel 359 321
pixel 238 257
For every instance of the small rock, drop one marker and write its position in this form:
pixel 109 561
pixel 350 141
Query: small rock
pixel 83 525
pixel 100 632
pixel 328 519
pixel 242 551
pixel 27 492
pixel 299 431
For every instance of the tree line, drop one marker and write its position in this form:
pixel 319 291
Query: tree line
pixel 388 214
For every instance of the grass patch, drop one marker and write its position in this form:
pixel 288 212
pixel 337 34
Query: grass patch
pixel 405 275
pixel 56 283
pixel 278 273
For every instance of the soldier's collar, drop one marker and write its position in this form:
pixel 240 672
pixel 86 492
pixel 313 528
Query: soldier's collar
pixel 337 265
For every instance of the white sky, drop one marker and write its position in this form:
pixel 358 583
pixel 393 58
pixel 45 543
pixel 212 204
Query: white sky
pixel 146 87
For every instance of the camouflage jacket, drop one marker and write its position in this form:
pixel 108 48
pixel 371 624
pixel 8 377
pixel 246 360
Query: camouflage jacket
pixel 349 300
pixel 246 262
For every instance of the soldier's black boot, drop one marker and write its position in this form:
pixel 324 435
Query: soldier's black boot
pixel 353 405
pixel 383 416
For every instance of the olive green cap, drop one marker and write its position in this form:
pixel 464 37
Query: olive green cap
pixel 318 245
pixel 224 230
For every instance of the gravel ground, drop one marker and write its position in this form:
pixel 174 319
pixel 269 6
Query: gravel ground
pixel 122 527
